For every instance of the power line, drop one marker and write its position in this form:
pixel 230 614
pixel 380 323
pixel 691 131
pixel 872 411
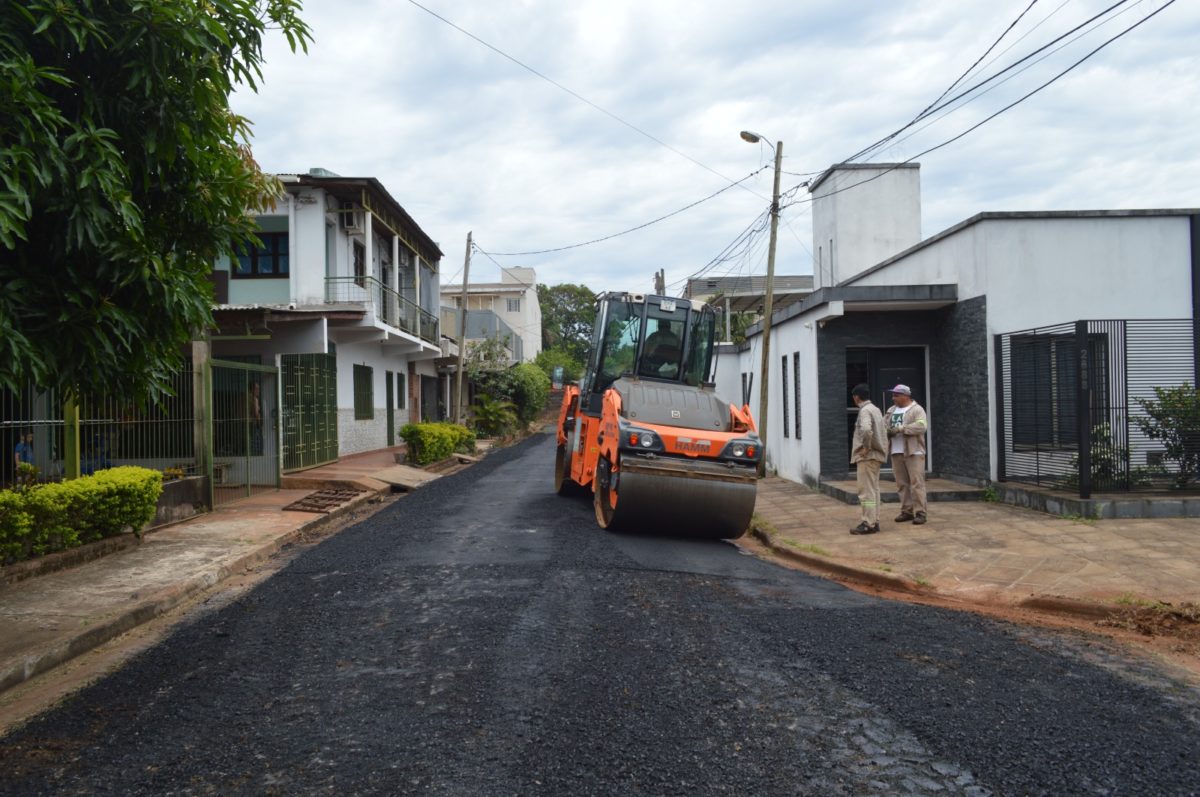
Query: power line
pixel 1027 67
pixel 1011 105
pixel 631 229
pixel 993 46
pixel 939 106
pixel 574 94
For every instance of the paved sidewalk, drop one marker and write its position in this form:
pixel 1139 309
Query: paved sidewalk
pixel 49 619
pixel 989 552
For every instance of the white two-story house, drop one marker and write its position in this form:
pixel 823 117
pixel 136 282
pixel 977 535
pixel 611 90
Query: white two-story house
pixel 342 296
pixel 506 309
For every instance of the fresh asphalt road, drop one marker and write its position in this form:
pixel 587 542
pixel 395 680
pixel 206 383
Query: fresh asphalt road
pixel 484 637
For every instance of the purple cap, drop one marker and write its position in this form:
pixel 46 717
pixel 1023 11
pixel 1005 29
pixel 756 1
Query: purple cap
pixel 901 390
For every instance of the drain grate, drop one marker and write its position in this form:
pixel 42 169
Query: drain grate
pixel 323 500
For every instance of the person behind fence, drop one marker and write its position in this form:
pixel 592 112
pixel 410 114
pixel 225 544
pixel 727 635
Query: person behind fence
pixel 868 453
pixel 23 453
pixel 254 415
pixel 907 426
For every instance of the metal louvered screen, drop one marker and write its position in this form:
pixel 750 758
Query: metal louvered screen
pixel 1069 398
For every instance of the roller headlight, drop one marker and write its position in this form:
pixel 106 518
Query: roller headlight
pixel 746 450
pixel 640 439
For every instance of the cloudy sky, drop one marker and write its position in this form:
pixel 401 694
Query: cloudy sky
pixel 651 95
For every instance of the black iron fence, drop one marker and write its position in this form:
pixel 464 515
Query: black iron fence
pixel 1069 398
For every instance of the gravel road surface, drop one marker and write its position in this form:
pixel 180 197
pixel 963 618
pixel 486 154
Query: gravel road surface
pixel 483 637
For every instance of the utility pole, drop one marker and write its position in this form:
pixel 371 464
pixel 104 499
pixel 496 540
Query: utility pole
pixel 769 310
pixel 660 282
pixel 769 305
pixel 459 415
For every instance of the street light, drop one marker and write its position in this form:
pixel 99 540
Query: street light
pixel 769 308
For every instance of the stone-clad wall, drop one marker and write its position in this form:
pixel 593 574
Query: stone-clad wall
pixel 958 380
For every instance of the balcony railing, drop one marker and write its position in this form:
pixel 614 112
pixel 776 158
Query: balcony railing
pixel 386 304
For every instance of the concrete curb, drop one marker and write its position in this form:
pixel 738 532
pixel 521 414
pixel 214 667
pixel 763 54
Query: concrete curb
pixel 872 577
pixel 22 669
pixel 1048 604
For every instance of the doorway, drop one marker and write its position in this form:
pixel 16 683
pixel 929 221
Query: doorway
pixel 883 368
pixel 430 411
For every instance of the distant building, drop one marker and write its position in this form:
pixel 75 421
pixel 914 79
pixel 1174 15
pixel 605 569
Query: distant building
pixel 747 294
pixel 507 309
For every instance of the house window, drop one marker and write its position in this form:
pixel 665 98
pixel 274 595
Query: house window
pixel 360 264
pixel 514 305
pixel 1045 389
pixel 401 391
pixel 269 258
pixel 783 383
pixel 364 393
pixel 796 388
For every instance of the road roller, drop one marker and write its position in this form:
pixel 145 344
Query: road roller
pixel 644 430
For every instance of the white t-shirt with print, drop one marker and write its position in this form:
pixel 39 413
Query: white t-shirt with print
pixel 895 421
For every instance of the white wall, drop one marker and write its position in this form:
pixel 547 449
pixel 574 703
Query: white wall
pixel 867 224
pixel 308 247
pixel 1037 272
pixel 797 459
pixel 366 435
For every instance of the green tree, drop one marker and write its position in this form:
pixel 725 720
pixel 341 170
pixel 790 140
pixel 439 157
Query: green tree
pixel 567 315
pixel 123 176
pixel 548 359
pixel 1173 416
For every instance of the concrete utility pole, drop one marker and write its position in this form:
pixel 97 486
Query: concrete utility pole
pixel 660 282
pixel 769 304
pixel 459 415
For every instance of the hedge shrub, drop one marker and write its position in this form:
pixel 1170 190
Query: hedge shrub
pixel 524 385
pixel 430 442
pixel 61 515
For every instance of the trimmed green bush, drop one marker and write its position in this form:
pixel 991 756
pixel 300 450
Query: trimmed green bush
pixel 430 442
pixel 53 517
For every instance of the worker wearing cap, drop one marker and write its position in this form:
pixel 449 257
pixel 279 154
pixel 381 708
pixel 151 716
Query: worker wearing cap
pixel 868 452
pixel 907 426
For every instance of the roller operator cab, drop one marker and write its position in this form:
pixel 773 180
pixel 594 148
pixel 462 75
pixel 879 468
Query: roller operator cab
pixel 644 430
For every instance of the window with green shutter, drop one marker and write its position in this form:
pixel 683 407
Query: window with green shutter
pixel 364 392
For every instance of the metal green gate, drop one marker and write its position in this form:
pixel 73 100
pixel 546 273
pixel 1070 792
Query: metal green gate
pixel 245 429
pixel 309 410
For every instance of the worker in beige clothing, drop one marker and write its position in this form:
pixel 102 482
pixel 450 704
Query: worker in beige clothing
pixel 907 426
pixel 868 452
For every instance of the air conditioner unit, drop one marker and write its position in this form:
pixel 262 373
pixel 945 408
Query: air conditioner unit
pixel 351 218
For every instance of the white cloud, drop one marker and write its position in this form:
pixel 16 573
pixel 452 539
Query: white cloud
pixel 467 140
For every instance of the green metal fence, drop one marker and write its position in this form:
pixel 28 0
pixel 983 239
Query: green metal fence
pixel 309 410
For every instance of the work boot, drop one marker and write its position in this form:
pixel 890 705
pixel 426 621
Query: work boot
pixel 904 516
pixel 863 528
pixel 919 519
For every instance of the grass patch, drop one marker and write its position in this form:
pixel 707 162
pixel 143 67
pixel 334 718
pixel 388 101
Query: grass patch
pixel 814 549
pixel 885 568
pixel 990 495
pixel 921 581
pixel 1129 599
pixel 1087 520
pixel 759 522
